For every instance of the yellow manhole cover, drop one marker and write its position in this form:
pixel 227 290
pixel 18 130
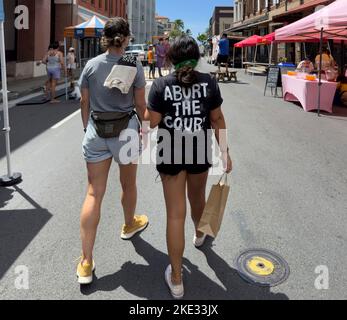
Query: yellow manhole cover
pixel 261 266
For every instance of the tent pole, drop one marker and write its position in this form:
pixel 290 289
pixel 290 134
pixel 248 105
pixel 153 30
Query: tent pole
pixel 11 178
pixel 271 50
pixel 320 70
pixel 242 58
pixel 234 58
pixel 80 54
pixel 255 53
pixel 66 84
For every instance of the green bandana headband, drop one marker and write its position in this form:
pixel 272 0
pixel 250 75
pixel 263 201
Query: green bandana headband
pixel 191 63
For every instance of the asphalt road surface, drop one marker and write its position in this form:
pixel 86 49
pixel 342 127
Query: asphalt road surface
pixel 288 195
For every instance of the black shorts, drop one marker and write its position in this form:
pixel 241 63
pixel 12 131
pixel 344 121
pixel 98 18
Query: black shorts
pixel 175 169
pixel 222 59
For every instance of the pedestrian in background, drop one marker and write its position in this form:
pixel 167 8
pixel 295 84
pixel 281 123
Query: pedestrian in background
pixel 326 60
pixel 151 62
pixel 160 51
pixel 167 64
pixel 54 61
pixel 100 101
pixel 305 66
pixel 185 102
pixel 71 67
pixel 223 54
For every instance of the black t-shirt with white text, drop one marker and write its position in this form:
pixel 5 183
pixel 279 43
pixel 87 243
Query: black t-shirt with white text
pixel 185 110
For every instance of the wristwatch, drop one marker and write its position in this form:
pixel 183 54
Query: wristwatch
pixel 85 130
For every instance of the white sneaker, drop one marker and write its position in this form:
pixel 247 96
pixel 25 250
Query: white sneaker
pixel 199 242
pixel 177 291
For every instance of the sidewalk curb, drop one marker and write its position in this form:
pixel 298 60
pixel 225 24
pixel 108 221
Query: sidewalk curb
pixel 14 95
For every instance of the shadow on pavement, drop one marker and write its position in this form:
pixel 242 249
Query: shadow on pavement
pixel 147 281
pixel 27 122
pixel 233 82
pixel 6 194
pixel 18 227
pixel 338 113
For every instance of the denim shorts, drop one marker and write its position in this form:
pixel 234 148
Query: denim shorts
pixel 53 73
pixel 125 149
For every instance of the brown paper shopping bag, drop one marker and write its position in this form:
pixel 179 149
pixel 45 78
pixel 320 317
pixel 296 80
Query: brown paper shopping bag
pixel 212 217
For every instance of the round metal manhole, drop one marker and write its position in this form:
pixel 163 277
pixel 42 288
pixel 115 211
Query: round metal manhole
pixel 262 267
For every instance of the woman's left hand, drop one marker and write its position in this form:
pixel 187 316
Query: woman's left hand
pixel 227 162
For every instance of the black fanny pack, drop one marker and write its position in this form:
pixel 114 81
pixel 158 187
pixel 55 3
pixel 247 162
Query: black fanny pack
pixel 111 124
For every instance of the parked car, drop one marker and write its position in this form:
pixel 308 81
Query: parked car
pixel 138 50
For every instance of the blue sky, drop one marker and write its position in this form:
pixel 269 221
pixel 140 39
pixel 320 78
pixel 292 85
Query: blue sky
pixel 195 13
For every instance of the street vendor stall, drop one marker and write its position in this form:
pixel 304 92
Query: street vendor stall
pixel 327 23
pixel 93 28
pixel 252 41
pixel 306 92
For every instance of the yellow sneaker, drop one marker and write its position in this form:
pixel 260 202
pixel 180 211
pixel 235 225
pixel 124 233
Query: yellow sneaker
pixel 85 272
pixel 140 224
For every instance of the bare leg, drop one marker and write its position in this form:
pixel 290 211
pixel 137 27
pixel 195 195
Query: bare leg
pixel 175 198
pixel 90 215
pixel 197 197
pixel 48 87
pixel 72 79
pixel 53 87
pixel 129 194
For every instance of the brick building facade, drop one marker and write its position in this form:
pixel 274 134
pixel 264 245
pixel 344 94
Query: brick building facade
pixel 47 20
pixel 222 19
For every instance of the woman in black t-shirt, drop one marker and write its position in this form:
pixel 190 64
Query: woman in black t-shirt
pixel 185 105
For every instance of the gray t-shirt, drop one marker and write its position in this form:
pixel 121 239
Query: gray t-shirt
pixel 103 99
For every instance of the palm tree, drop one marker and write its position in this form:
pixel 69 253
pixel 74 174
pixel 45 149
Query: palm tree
pixel 202 37
pixel 179 25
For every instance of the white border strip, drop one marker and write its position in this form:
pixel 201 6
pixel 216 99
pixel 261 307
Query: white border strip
pixel 59 124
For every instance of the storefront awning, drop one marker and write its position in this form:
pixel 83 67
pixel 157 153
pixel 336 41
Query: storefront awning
pixel 250 24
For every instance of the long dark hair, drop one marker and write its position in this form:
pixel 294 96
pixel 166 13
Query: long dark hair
pixel 115 32
pixel 183 49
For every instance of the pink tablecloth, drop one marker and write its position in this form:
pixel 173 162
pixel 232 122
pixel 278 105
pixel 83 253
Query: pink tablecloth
pixel 306 92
